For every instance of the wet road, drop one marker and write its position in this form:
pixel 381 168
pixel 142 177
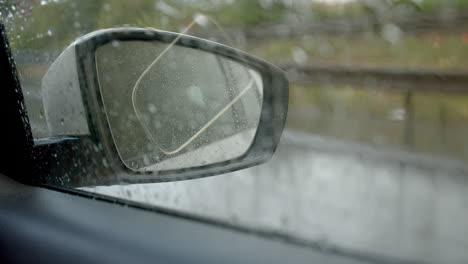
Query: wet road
pixel 336 194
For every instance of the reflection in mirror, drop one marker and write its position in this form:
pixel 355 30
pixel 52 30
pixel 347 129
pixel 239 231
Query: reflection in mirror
pixel 172 107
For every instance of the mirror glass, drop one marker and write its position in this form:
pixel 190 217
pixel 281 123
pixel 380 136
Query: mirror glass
pixel 172 107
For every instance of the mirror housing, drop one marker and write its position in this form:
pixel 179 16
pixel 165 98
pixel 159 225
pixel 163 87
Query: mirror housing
pixel 75 107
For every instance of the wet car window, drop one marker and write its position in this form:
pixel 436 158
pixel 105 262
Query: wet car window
pixel 373 157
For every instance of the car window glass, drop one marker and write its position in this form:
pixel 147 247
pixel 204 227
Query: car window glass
pixel 373 157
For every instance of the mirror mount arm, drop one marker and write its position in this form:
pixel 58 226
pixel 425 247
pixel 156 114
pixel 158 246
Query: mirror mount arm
pixel 64 110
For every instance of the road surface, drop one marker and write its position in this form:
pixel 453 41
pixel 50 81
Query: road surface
pixel 336 194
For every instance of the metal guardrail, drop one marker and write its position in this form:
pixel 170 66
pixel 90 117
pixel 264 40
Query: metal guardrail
pixel 380 78
pixel 405 81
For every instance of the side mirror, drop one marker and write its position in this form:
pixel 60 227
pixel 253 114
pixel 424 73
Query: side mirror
pixel 165 106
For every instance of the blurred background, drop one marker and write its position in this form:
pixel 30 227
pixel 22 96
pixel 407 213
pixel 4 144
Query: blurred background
pixel 373 159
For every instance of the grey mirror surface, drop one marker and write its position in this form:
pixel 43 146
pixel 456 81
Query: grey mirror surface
pixel 173 107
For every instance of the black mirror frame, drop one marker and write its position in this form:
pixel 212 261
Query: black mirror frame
pixel 266 140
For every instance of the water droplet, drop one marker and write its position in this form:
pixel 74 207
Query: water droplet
pixel 105 163
pixel 150 33
pixel 146 160
pixel 299 55
pixel 152 108
pixel 115 43
pixel 392 33
pixel 201 19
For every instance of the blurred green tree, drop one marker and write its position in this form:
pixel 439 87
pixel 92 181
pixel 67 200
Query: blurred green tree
pixel 250 12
